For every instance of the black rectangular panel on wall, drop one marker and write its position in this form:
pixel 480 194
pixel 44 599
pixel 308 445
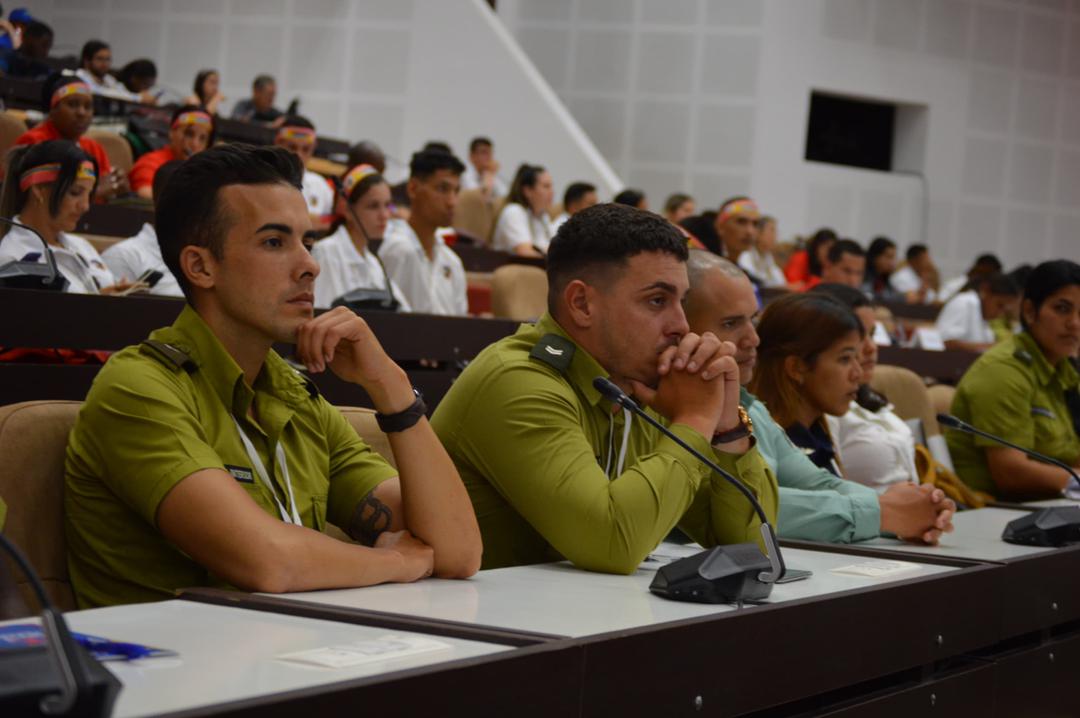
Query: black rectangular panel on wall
pixel 846 131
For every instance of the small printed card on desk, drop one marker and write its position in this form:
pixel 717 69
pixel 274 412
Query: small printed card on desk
pixel 384 648
pixel 876 568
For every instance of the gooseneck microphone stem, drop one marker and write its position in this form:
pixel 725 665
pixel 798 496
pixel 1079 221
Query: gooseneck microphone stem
pixel 617 396
pixel 50 261
pixel 952 422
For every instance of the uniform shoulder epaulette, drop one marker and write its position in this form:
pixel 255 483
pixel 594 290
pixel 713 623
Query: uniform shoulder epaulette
pixel 1024 356
pixel 170 355
pixel 555 351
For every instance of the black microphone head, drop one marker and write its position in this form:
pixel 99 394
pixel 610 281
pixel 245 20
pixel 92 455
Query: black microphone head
pixel 608 389
pixel 950 421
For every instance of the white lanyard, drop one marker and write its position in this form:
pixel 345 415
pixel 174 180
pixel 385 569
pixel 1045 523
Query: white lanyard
pixel 627 417
pixel 264 476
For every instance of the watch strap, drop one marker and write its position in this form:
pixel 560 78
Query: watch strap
pixel 402 420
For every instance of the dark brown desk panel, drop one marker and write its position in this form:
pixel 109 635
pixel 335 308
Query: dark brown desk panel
pixel 968 691
pixel 767 656
pixel 945 366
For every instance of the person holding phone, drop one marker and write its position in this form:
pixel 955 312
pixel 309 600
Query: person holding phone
pixel 346 260
pixel 68 104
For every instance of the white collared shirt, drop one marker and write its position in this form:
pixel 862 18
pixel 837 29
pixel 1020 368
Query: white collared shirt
pixel 317 194
pixel 517 226
pixel 76 258
pixel 763 266
pixel 470 179
pixel 876 448
pixel 435 286
pixel 133 257
pixel 107 87
pixel 343 268
pixel 962 319
pixel 905 280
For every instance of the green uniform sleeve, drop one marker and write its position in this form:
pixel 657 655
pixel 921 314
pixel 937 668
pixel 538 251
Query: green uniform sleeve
pixel 999 402
pixel 720 513
pixel 535 454
pixel 139 430
pixel 355 468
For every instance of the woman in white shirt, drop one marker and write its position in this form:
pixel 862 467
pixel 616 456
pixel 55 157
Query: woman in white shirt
pixel 876 447
pixel 524 227
pixel 346 262
pixel 964 321
pixel 760 259
pixel 48 189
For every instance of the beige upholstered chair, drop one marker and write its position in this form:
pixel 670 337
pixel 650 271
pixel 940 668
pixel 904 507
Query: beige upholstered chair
pixel 474 215
pixel 33 439
pixel 908 395
pixel 10 129
pixel 519 291
pixel 33 442
pixel 941 396
pixel 116 148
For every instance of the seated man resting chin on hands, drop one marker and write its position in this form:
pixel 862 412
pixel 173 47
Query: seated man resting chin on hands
pixel 556 471
pixel 202 458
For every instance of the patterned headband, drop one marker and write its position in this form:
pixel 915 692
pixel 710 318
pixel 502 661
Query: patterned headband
pixel 741 206
pixel 43 174
pixel 72 88
pixel 193 118
pixel 306 135
pixel 355 176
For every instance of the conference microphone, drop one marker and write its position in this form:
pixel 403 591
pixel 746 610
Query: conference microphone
pixel 1054 526
pixel 59 679
pixel 722 574
pixel 21 274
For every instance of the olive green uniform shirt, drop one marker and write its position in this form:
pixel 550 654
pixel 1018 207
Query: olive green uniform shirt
pixel 1012 391
pixel 157 415
pixel 532 437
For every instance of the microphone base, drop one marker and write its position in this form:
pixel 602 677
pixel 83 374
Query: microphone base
pixel 724 574
pixel 27 675
pixel 1055 526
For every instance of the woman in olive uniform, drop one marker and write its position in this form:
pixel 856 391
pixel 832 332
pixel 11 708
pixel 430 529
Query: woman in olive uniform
pixel 1024 390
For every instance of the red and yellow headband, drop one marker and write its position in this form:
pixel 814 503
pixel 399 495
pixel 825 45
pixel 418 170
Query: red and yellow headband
pixel 354 176
pixel 192 118
pixel 43 174
pixel 72 88
pixel 305 135
pixel 739 207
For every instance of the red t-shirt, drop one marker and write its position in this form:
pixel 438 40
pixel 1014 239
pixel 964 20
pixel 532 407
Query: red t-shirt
pixel 798 267
pixel 47 131
pixel 144 169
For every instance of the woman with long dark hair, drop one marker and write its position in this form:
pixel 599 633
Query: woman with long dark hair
pixel 807 263
pixel 524 227
pixel 207 91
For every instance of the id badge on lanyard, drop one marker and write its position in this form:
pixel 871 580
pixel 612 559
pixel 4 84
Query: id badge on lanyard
pixel 264 476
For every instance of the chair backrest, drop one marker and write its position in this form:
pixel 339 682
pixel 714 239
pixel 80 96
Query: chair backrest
pixel 363 421
pixel 474 215
pixel 519 291
pixel 116 148
pixel 33 440
pixel 941 396
pixel 10 129
pixel 907 392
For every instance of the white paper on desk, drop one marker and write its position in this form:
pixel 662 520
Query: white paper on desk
pixel 1073 492
pixel 876 568
pixel 383 648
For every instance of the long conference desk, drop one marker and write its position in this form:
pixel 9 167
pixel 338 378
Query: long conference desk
pixel 971 627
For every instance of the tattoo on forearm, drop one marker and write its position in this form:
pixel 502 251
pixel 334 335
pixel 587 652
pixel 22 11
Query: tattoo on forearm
pixel 370 519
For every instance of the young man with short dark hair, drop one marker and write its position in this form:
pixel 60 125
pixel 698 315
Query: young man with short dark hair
pixel 964 321
pixel 202 458
pixel 578 196
pixel 554 470
pixel 844 264
pixel 430 274
pixel 297 135
pixel 482 172
pixel 917 280
pixel 95 63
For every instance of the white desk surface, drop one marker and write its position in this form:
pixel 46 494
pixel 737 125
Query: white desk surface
pixel 977 537
pixel 1045 503
pixel 228 654
pixel 559 599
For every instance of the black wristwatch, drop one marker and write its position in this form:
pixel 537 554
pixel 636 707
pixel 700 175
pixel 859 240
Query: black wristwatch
pixel 744 428
pixel 390 423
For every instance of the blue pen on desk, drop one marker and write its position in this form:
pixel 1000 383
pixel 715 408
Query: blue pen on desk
pixel 28 634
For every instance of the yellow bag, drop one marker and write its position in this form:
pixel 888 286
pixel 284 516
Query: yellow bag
pixel 931 472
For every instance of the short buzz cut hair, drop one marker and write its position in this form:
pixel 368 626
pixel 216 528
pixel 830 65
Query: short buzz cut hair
pixel 576 192
pixel 915 251
pixel 427 162
pixel 701 261
pixel 845 246
pixel 603 238
pixel 262 81
pixel 189 210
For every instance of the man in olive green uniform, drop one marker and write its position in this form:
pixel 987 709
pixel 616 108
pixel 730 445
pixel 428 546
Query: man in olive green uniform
pixel 556 471
pixel 1024 390
pixel 201 457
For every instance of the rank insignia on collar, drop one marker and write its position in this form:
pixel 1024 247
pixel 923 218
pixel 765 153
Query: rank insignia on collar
pixel 555 351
